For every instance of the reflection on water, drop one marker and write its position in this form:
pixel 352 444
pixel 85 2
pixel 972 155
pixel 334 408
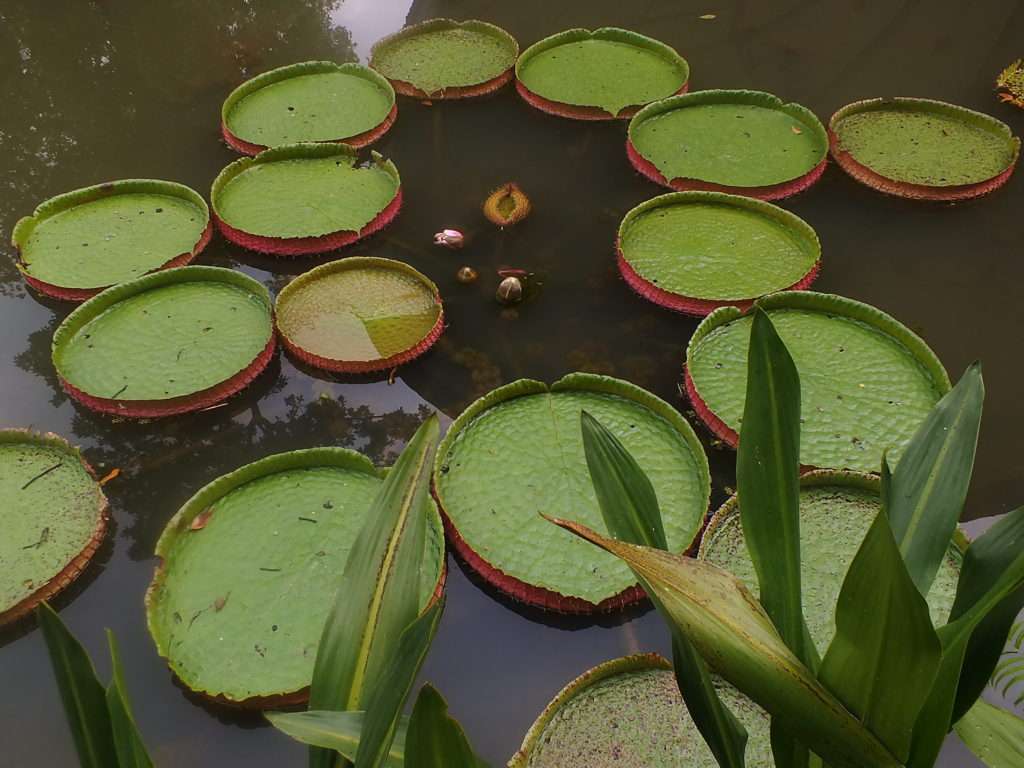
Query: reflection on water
pixel 114 88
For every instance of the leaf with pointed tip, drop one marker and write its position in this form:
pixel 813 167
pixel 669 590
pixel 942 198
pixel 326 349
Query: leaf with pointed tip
pixel 379 589
pixel 435 739
pixel 339 731
pixel 131 751
pixel 85 704
pixel 926 494
pixel 727 625
pixel 993 734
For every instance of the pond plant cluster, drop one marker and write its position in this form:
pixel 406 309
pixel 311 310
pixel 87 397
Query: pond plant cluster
pixel 830 613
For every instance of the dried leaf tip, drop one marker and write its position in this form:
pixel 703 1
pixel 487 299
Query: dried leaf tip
pixel 507 205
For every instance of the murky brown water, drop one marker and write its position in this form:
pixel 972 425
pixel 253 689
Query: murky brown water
pixel 92 91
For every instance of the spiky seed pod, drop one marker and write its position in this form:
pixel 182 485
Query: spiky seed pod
pixel 507 205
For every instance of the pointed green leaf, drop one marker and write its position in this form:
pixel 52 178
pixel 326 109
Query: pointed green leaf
pixel 885 653
pixel 339 731
pixel 85 704
pixel 435 739
pixel 727 625
pixel 993 734
pixel 379 589
pixel 131 751
pixel 928 488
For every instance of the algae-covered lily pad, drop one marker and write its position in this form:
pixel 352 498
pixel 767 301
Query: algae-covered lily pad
pixel 836 510
pixel 745 142
pixel 518 452
pixel 599 75
pixel 923 149
pixel 628 713
pixel 305 198
pixel 866 380
pixel 76 244
pixel 53 519
pixel 445 59
pixel 249 568
pixel 175 341
pixel 359 314
pixel 697 251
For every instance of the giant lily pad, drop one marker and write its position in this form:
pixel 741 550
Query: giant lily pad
pixel 836 510
pixel 445 59
pixel 305 198
pixel 249 567
pixel 628 713
pixel 174 341
pixel 359 314
pixel 518 452
pixel 312 101
pixel 923 149
pixel 866 380
pixel 697 251
pixel 53 519
pixel 599 75
pixel 76 244
pixel 744 142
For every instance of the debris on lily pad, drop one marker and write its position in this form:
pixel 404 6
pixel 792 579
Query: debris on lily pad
pixel 76 244
pixel 53 518
pixel 359 315
pixel 507 205
pixel 317 101
pixel 1010 84
pixel 175 341
pixel 237 603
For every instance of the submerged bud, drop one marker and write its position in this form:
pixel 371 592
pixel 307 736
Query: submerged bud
pixel 450 238
pixel 510 291
pixel 466 275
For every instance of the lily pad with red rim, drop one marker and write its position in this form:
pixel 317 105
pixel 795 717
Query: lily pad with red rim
pixel 175 341
pixel 249 568
pixel 517 452
pixel 76 244
pixel 629 713
pixel 305 198
pixel 866 380
pixel 743 142
pixel 54 518
pixel 601 75
pixel 315 101
pixel 836 510
pixel 923 149
pixel 446 59
pixel 359 314
pixel 697 251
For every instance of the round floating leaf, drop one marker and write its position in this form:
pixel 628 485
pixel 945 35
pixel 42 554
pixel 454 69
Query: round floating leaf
pixel 836 510
pixel 173 341
pixel 606 73
pixel 304 198
pixel 518 452
pixel 76 244
pixel 359 314
pixel 53 519
pixel 697 251
pixel 923 149
pixel 446 59
pixel 866 380
pixel 628 713
pixel 748 142
pixel 312 101
pixel 250 566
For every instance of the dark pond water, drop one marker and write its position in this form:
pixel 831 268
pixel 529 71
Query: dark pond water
pixel 92 91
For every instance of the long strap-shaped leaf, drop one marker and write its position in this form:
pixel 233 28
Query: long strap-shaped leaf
pixel 727 624
pixel 83 696
pixel 338 731
pixel 929 485
pixel 379 591
pixel 435 739
pixel 131 752
pixel 994 735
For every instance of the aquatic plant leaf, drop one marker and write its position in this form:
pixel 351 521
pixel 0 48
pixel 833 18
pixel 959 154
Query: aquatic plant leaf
pixel 717 613
pixel 435 739
pixel 507 205
pixel 131 751
pixel 388 697
pixel 1009 671
pixel 85 703
pixel 378 595
pixel 884 657
pixel 927 490
pixel 339 731
pixel 1010 84
pixel 995 735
